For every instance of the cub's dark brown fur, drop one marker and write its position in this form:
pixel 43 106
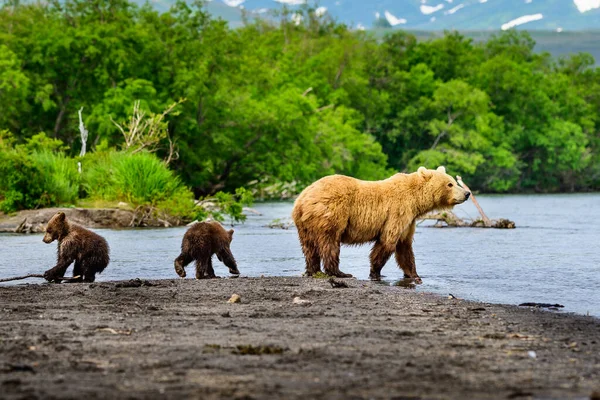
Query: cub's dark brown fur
pixel 87 249
pixel 199 243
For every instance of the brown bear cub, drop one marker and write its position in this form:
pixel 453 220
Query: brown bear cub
pixel 339 209
pixel 199 243
pixel 76 244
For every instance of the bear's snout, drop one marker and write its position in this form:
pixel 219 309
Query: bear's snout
pixel 47 238
pixel 467 195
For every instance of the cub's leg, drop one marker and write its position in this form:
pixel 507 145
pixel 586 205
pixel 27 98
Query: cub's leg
pixel 181 262
pixel 77 271
pixel 380 254
pixel 204 268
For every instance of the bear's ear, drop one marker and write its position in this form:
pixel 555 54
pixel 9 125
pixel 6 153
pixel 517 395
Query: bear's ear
pixel 230 233
pixel 60 216
pixel 424 172
pixel 441 169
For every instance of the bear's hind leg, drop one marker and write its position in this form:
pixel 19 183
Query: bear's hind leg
pixel 380 254
pixel 77 271
pixel 180 264
pixel 406 260
pixel 311 254
pixel 330 253
pixel 204 268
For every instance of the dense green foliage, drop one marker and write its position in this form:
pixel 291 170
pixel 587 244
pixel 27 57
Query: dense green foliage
pixel 267 104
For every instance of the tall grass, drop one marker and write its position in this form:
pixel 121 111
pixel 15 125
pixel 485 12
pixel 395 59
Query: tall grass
pixel 59 177
pixel 139 178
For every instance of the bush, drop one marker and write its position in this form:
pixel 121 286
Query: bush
pixel 21 182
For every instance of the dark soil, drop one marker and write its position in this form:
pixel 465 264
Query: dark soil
pixel 182 339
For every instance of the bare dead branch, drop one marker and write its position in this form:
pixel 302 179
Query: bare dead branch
pixel 484 217
pixel 17 278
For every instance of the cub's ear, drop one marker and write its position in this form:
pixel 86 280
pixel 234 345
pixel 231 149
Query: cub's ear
pixel 441 169
pixel 424 172
pixel 60 216
pixel 230 233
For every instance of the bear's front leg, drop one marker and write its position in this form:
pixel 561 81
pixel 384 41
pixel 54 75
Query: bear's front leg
pixel 54 274
pixel 226 257
pixel 406 260
pixel 380 254
pixel 66 256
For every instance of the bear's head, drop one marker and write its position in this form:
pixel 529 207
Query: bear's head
pixel 442 188
pixel 57 228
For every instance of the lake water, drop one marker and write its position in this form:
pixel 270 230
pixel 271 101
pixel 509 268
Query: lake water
pixel 552 257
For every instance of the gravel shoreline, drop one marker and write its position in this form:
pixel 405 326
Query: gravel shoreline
pixel 287 338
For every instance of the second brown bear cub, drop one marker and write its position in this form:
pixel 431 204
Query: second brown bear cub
pixel 200 242
pixel 76 244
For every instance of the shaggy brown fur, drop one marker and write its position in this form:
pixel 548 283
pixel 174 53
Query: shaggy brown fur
pixel 87 249
pixel 199 243
pixel 339 209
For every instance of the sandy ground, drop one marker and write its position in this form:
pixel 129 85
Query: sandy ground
pixel 182 339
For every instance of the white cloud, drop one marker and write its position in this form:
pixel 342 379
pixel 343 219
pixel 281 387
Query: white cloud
pixel 233 3
pixel 377 15
pixel 455 9
pixel 528 1
pixel 559 29
pixel 432 19
pixel 483 1
pixel 261 10
pixel 319 12
pixel 431 9
pixel 360 27
pixel 393 20
pixel 337 3
pixel 291 2
pixel 586 5
pixel 297 18
pixel 521 20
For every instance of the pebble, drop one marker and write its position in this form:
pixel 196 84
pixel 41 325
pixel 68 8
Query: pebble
pixel 235 298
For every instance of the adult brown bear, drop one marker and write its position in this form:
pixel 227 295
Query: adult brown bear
pixel 338 209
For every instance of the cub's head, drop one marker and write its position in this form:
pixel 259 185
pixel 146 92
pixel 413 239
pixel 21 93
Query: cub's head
pixel 57 228
pixel 441 189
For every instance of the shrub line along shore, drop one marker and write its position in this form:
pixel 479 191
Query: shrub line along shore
pixel 287 338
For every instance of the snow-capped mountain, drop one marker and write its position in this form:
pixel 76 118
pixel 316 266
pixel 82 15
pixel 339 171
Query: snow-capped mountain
pixel 433 14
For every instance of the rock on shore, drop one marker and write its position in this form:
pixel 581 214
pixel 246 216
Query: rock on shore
pixel 181 338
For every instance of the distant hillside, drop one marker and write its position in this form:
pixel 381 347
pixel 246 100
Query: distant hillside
pixel 555 43
pixel 478 19
pixel 430 14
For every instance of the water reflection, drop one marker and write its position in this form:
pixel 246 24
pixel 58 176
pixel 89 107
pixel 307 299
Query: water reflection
pixel 406 283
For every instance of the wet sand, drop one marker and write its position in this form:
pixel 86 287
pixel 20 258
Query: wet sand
pixel 182 339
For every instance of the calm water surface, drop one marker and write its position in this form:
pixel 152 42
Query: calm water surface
pixel 552 256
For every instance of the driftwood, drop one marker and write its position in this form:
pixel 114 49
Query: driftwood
pixel 448 218
pixel 17 278
pixel 541 305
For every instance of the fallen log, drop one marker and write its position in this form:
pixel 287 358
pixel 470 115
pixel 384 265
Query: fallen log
pixel 17 278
